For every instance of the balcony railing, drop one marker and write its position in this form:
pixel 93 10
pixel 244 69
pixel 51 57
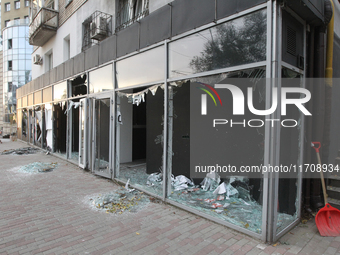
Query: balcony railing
pixel 43 26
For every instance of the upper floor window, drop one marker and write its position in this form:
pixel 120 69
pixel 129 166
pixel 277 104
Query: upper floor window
pixel 9 44
pixel 130 11
pixel 26 18
pixel 17 5
pixel 9 65
pixel 27 3
pixel 6 22
pixel 7 7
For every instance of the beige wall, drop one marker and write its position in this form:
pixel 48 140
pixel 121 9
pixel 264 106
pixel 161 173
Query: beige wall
pixel 66 12
pixel 13 13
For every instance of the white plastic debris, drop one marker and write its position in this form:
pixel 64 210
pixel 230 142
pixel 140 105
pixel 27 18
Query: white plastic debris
pixel 127 186
pixel 182 182
pixel 220 189
pixel 154 178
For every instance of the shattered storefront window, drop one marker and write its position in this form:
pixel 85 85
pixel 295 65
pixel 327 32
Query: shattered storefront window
pixel 140 114
pixel 38 125
pixel 24 125
pixel 102 136
pixel 48 128
pixel 59 128
pixel 290 143
pixel 235 199
pixel 72 113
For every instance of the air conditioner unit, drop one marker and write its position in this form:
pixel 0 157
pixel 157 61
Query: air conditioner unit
pixel 37 60
pixel 98 32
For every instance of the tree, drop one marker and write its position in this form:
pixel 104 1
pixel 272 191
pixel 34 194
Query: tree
pixel 234 44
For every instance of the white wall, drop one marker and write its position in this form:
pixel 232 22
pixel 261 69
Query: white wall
pixel 72 28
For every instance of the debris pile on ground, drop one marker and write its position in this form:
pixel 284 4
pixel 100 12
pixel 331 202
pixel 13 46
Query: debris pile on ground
pixel 121 201
pixel 38 167
pixel 21 151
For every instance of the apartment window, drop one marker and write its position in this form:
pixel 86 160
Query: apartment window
pixel 6 22
pixel 48 61
pixel 17 5
pixel 9 64
pixel 17 21
pixel 26 18
pixel 9 44
pixel 130 12
pixel 67 46
pixel 7 7
pixel 27 3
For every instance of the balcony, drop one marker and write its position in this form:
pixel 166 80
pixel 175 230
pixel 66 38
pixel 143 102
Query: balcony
pixel 43 26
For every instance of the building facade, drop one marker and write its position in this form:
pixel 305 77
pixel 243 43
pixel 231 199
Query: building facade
pixel 16 59
pixel 121 88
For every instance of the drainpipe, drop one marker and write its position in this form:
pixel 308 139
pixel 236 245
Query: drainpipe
pixel 329 76
pixel 320 117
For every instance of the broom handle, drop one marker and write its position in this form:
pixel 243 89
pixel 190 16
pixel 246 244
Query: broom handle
pixel 322 179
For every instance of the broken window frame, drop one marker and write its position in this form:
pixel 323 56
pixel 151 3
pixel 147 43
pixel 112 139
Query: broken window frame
pixel 135 98
pixel 271 63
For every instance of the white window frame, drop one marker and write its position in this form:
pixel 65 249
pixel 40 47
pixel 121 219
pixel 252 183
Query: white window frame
pixel 7 7
pixel 15 5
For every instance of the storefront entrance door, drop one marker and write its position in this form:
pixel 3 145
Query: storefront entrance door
pixel 101 135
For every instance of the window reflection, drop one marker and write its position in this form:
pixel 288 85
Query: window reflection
pixel 60 91
pixel 237 42
pixel 146 67
pixel 101 79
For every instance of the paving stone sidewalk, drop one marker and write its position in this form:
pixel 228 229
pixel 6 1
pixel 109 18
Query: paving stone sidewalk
pixel 50 213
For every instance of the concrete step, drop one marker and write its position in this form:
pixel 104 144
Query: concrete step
pixel 334 180
pixel 333 192
pixel 334 202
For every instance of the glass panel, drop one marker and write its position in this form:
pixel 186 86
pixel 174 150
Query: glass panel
pixel 59 128
pixel 237 42
pixel 37 97
pixel 48 126
pixel 60 91
pixel 230 197
pixel 101 79
pixel 47 95
pixel 73 114
pixel 142 68
pixel 102 136
pixel 290 143
pixel 24 125
pixel 31 126
pixel 19 123
pixel 140 129
pixel 82 133
pixel 38 121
